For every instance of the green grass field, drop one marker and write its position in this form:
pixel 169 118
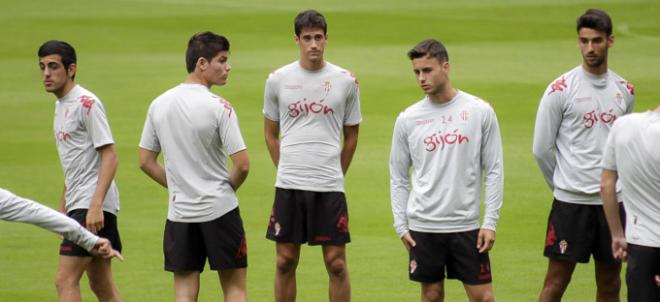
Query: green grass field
pixel 131 51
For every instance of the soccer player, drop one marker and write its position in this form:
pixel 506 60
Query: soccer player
pixel 312 102
pixel 17 209
pixel 574 117
pixel 451 139
pixel 86 149
pixel 631 155
pixel 196 130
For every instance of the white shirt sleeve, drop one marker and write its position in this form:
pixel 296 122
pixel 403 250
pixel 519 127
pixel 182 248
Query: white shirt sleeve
pixel 491 164
pixel 609 156
pixel 229 131
pixel 271 106
pixel 149 139
pixel 352 116
pixel 17 209
pixel 96 123
pixel 548 120
pixel 400 162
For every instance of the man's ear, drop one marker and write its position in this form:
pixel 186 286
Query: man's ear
pixel 202 63
pixel 71 71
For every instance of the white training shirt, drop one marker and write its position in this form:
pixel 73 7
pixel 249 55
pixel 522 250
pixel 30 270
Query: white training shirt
pixel 196 131
pixel 18 209
pixel 633 150
pixel 80 126
pixel 572 123
pixel 450 147
pixel 312 107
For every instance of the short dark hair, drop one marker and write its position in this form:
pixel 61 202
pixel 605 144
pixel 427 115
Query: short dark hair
pixel 204 45
pixel 64 49
pixel 595 19
pixel 309 19
pixel 430 47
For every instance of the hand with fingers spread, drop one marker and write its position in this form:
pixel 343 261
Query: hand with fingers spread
pixel 485 240
pixel 94 219
pixel 408 241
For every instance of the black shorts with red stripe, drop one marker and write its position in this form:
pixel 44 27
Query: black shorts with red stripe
pixel 109 231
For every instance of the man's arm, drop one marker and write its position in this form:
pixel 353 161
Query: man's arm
pixel 150 166
pixel 350 144
pixel 107 168
pixel 272 136
pixel 548 121
pixel 493 170
pixel 17 209
pixel 611 209
pixel 240 169
pixel 400 163
pixel 63 201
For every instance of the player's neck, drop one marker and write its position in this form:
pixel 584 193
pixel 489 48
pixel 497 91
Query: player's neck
pixel 312 65
pixel 194 78
pixel 65 89
pixel 443 96
pixel 599 70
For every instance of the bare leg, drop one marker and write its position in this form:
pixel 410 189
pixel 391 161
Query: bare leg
pixel 288 255
pixel 556 280
pixel 99 272
pixel 608 281
pixel 480 293
pixel 433 292
pixel 68 276
pixel 335 263
pixel 233 284
pixel 186 286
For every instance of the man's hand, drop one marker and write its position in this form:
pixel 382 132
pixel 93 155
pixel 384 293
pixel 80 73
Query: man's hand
pixel 103 248
pixel 408 241
pixel 485 240
pixel 619 248
pixel 94 220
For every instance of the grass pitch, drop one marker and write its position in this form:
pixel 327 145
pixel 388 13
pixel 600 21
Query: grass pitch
pixel 131 51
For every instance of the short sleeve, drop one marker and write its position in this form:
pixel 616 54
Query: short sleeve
pixel 149 139
pixel 352 115
pixel 229 130
pixel 271 105
pixel 95 121
pixel 609 152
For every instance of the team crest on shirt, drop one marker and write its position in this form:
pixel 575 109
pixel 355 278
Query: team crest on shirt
pixel 619 98
pixel 563 245
pixel 277 228
pixel 327 85
pixel 464 115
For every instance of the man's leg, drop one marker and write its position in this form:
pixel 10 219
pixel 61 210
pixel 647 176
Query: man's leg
pixel 335 263
pixel 608 281
pixel 288 255
pixel 99 272
pixel 556 280
pixel 68 276
pixel 433 292
pixel 186 286
pixel 480 293
pixel 233 284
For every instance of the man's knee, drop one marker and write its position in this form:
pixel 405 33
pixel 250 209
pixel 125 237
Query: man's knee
pixel 336 267
pixel 286 264
pixel 65 281
pixel 432 293
pixel 100 288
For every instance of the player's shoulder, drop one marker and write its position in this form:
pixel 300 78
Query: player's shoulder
pixel 342 73
pixel 475 102
pixel 283 71
pixel 410 112
pixel 623 84
pixel 563 82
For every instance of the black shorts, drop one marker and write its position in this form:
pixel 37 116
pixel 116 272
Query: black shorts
pixel 576 231
pixel 109 231
pixel 319 218
pixel 643 266
pixel 456 251
pixel 187 245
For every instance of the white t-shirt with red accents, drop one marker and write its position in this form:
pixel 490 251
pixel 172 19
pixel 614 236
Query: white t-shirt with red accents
pixel 633 150
pixel 451 148
pixel 18 209
pixel 196 130
pixel 572 123
pixel 312 107
pixel 80 126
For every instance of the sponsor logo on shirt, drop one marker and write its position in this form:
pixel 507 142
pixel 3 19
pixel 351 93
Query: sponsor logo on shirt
pixel 306 107
pixel 440 140
pixel 293 87
pixel 423 122
pixel 87 102
pixel 583 99
pixel 592 117
pixel 558 85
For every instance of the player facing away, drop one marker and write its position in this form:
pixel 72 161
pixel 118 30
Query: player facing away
pixel 451 139
pixel 18 209
pixel 311 102
pixel 574 118
pixel 197 130
pixel 632 155
pixel 87 154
